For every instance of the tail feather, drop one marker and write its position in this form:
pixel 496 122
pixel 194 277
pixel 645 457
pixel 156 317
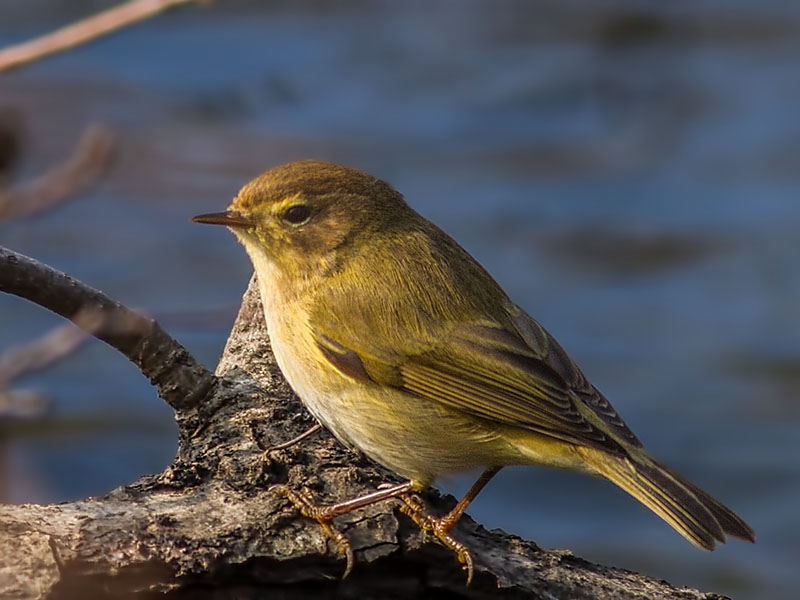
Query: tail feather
pixel 689 510
pixel 730 522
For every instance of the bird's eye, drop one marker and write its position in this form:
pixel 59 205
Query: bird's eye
pixel 297 214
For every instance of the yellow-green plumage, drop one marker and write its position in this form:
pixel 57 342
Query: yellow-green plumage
pixel 405 347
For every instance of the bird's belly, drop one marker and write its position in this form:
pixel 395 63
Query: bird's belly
pixel 414 437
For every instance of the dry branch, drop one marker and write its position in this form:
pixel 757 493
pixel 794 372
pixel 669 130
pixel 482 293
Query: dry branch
pixel 87 162
pixel 88 29
pixel 45 350
pixel 209 526
pixel 180 379
pixel 82 168
pixel 33 356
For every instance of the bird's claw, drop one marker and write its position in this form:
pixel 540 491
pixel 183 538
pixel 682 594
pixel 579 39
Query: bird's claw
pixel 303 501
pixel 415 508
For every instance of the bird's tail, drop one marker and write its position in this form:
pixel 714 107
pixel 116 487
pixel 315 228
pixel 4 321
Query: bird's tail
pixel 689 510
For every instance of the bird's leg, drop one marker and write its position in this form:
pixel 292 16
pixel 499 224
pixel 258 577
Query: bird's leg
pixel 295 440
pixel 324 515
pixel 414 507
pixel 450 519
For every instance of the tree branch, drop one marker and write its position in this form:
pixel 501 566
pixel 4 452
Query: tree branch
pixel 180 379
pixel 83 167
pixel 84 31
pixel 41 352
pixel 33 356
pixel 211 526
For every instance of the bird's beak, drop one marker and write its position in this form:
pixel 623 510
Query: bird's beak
pixel 229 218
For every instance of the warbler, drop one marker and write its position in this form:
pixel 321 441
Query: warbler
pixel 403 346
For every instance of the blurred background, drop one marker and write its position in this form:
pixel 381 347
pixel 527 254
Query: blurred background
pixel 628 171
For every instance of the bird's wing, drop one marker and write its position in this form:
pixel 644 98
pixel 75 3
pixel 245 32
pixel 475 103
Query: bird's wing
pixel 515 374
pixel 550 351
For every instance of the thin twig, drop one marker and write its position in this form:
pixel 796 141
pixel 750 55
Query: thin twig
pixel 45 350
pixel 180 379
pixel 89 159
pixel 22 404
pixel 83 31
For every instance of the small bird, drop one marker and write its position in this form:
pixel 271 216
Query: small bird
pixel 404 347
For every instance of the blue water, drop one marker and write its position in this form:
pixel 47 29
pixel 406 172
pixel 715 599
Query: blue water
pixel 629 172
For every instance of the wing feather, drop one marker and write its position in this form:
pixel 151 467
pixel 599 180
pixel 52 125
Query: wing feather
pixel 468 348
pixel 491 373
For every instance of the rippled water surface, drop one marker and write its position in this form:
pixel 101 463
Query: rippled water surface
pixel 628 171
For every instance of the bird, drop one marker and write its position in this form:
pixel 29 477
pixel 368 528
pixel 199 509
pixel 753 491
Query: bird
pixel 403 346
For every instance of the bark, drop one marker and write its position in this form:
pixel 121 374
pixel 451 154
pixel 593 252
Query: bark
pixel 209 526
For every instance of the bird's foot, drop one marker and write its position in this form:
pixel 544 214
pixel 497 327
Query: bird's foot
pixel 303 501
pixel 324 515
pixel 415 508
